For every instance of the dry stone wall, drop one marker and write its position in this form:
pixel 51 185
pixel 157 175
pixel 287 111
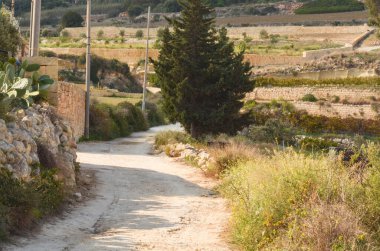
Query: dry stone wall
pixel 361 103
pixel 69 99
pixel 37 136
pixel 352 95
pixel 337 110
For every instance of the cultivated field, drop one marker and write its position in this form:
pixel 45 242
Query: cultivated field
pixel 338 34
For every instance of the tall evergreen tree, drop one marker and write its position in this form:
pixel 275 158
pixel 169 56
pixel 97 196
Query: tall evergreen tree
pixel 203 80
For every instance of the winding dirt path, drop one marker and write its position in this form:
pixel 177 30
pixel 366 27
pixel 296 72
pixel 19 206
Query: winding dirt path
pixel 143 202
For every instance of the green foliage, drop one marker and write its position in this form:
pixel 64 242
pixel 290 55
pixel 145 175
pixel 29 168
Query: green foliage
pixel 273 131
pixel 154 114
pixel 139 34
pixel 330 6
pixel 22 203
pixel 316 144
pixel 294 82
pixel 294 201
pixel 71 19
pixel 163 139
pixel 102 126
pixel 10 39
pixel 16 90
pixel 264 34
pixel 203 81
pixel 110 122
pixel 309 98
pixel 100 34
pixel 374 16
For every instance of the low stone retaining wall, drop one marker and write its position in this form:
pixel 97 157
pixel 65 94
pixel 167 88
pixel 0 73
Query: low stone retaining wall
pixel 337 110
pixel 297 93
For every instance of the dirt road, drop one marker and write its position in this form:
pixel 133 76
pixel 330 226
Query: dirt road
pixel 143 202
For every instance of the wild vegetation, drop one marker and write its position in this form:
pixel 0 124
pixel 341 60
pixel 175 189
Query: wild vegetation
pixel 23 203
pixel 114 121
pixel 10 38
pixel 17 90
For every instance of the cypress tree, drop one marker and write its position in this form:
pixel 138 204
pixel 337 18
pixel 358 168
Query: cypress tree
pixel 203 80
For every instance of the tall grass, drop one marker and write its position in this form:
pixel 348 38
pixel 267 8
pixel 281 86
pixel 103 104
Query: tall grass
pixel 294 201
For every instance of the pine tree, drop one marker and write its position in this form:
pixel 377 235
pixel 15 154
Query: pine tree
pixel 203 80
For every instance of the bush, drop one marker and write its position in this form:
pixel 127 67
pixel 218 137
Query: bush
pixel 309 98
pixel 155 115
pixel 273 131
pixel 100 34
pixel 22 203
pixel 102 126
pixel 294 201
pixel 139 34
pixel 71 19
pixel 171 137
pixel 228 157
pixel 316 145
pixel 109 122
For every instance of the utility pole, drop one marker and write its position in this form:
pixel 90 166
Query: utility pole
pixel 88 69
pixel 31 28
pixel 13 8
pixel 36 17
pixel 146 62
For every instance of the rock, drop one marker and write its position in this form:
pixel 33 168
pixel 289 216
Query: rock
pixel 78 196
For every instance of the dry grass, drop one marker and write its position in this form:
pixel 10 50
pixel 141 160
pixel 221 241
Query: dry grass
pixel 116 101
pixel 228 156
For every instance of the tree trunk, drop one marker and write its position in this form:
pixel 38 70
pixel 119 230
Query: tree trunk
pixel 194 131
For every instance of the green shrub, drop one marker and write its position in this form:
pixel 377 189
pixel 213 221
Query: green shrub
pixel 22 203
pixel 135 117
pixel 272 131
pixel 109 122
pixel 171 137
pixel 309 98
pixel 294 201
pixel 316 145
pixel 102 125
pixel 17 90
pixel 155 115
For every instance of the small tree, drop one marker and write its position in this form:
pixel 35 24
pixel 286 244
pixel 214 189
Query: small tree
pixel 203 80
pixel 264 34
pixel 139 34
pixel 374 13
pixel 71 19
pixel 100 34
pixel 10 38
pixel 122 33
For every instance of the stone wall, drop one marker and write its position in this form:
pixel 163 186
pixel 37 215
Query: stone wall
pixel 129 56
pixel 316 54
pixel 353 95
pixel 337 110
pixel 69 100
pixel 37 136
pixel 267 60
pixel 333 101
